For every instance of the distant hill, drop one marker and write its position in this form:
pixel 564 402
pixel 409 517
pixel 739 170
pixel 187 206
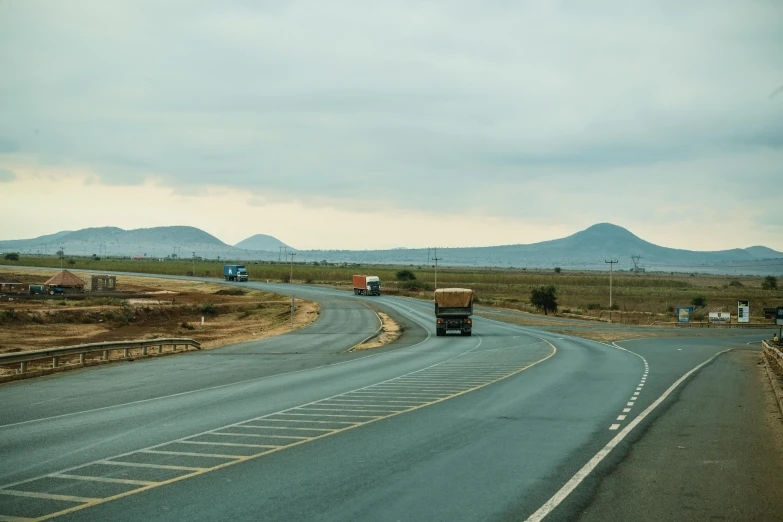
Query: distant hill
pixel 584 250
pixel 262 242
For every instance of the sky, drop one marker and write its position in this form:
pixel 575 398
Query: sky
pixel 363 125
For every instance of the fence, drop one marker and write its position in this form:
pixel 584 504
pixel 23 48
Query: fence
pixel 55 354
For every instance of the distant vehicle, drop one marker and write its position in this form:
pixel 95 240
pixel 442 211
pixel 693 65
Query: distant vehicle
pixel 235 273
pixel 453 308
pixel 37 289
pixel 366 285
pixel 56 290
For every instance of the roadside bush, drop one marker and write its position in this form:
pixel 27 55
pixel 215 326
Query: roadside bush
pixel 185 326
pixel 208 308
pixel 286 278
pixel 405 275
pixel 699 300
pixel 71 261
pixel 593 306
pixel 13 256
pixel 558 269
pixel 614 307
pixel 735 283
pixel 769 283
pixel 544 298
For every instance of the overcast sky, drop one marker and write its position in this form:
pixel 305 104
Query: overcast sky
pixel 347 125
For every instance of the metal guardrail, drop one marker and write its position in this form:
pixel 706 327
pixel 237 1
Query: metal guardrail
pixel 23 358
pixel 773 350
pixel 700 324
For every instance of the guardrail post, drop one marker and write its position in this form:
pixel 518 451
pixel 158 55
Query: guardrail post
pixel 125 353
pixel 105 355
pixel 55 361
pixel 81 358
pixel 23 368
pixel 144 350
pixel 160 348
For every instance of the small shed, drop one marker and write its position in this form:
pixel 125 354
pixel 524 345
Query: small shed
pixel 67 281
pixel 103 283
pixel 11 286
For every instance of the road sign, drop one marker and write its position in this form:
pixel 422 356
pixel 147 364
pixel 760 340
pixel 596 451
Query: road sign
pixel 743 311
pixel 684 314
pixel 779 319
pixel 720 317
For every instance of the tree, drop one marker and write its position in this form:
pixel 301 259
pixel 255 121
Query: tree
pixel 699 300
pixel 769 283
pixel 71 261
pixel 544 298
pixel 405 275
pixel 13 256
pixel 558 269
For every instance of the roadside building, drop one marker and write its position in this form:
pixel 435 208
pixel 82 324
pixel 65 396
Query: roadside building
pixel 66 283
pixel 12 286
pixel 103 283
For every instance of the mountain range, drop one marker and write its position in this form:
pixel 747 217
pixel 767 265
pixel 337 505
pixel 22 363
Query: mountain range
pixel 587 249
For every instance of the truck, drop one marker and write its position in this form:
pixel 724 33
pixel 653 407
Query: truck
pixel 366 285
pixel 453 308
pixel 235 273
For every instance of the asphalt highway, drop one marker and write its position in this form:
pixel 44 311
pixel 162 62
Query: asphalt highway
pixel 504 425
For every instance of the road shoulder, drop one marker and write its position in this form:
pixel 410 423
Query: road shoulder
pixel 716 453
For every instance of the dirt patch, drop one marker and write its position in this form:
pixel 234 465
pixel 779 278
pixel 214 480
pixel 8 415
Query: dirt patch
pixel 227 318
pixel 390 332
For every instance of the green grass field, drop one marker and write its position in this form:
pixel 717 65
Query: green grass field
pixel 640 298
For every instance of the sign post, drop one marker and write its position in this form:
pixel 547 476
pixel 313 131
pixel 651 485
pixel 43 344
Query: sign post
pixel 684 314
pixel 779 321
pixel 292 312
pixel 743 311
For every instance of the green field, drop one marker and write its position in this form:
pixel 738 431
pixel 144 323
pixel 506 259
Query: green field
pixel 640 298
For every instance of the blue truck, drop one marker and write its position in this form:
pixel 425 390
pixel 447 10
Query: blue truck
pixel 235 273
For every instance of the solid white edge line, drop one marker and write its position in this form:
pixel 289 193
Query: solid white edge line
pixel 582 474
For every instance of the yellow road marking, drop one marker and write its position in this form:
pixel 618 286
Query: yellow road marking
pixel 145 465
pixel 236 459
pixel 14 519
pixel 47 496
pixel 102 479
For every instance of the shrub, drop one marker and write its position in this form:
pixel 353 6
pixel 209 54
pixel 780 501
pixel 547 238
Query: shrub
pixel 558 269
pixel 416 286
pixel 405 275
pixel 769 283
pixel 208 308
pixel 286 278
pixel 544 298
pixel 72 261
pixel 593 306
pixel 186 326
pixel 13 256
pixel 614 307
pixel 699 300
pixel 735 283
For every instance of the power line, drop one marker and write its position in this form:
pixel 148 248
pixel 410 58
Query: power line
pixel 436 259
pixel 611 264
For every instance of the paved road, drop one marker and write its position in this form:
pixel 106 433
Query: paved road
pixel 480 428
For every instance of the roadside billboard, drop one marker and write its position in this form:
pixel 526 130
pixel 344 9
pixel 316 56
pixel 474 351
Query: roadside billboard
pixel 743 311
pixel 779 319
pixel 684 314
pixel 720 317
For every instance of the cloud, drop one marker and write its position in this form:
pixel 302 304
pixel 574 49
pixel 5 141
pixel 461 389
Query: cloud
pixel 6 175
pixel 517 111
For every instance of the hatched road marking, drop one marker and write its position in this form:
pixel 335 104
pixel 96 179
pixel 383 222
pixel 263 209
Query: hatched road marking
pixel 229 445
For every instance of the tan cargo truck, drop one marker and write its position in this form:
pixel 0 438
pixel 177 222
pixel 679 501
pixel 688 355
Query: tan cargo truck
pixel 453 308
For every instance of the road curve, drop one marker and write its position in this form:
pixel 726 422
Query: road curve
pixel 488 427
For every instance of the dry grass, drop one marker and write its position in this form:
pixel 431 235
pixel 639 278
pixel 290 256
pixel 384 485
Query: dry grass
pixel 390 332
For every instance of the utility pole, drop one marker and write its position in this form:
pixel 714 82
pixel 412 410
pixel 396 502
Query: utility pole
pixel 62 255
pixel 436 259
pixel 291 275
pixel 611 264
pixel 194 263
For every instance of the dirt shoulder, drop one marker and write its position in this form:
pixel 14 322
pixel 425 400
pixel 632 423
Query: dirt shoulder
pixel 390 332
pixel 146 308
